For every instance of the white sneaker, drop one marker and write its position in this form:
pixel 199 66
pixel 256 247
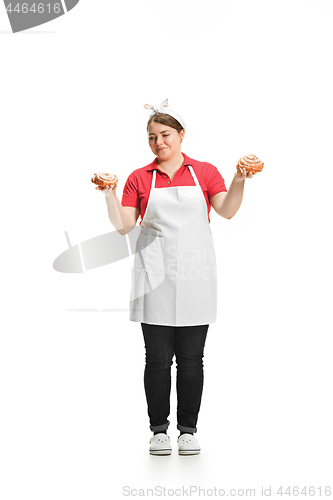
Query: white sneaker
pixel 160 444
pixel 188 445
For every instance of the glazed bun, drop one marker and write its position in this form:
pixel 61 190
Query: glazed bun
pixel 103 179
pixel 251 163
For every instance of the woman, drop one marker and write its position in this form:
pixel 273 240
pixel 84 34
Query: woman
pixel 174 274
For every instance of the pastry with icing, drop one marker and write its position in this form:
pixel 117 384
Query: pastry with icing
pixel 103 179
pixel 251 163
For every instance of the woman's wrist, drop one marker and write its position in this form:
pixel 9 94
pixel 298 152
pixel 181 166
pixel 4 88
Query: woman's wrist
pixel 238 179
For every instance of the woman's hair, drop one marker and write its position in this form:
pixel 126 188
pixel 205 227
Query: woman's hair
pixel 165 119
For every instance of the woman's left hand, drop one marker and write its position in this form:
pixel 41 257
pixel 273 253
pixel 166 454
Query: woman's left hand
pixel 242 174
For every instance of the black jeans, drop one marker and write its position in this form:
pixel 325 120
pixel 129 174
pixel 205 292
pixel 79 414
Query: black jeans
pixel 187 344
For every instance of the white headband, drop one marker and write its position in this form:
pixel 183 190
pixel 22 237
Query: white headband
pixel 162 109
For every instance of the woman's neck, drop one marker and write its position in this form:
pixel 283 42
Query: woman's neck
pixel 172 164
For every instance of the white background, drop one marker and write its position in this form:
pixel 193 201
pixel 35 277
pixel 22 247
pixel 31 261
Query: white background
pixel 248 76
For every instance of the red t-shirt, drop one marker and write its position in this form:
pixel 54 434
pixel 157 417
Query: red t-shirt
pixel 137 187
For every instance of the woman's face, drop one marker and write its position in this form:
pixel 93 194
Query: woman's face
pixel 164 141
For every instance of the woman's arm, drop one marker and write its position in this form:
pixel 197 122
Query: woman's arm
pixel 227 204
pixel 122 218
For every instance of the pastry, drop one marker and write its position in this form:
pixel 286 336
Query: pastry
pixel 251 163
pixel 103 179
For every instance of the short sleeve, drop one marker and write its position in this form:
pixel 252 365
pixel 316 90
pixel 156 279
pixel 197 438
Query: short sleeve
pixel 214 181
pixel 130 196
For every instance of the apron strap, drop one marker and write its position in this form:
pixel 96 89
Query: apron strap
pixel 194 176
pixel 153 182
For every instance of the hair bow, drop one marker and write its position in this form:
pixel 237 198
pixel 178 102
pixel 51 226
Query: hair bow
pixel 164 104
pixel 162 109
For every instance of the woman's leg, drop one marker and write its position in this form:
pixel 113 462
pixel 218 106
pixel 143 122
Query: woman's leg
pixel 160 349
pixel 190 343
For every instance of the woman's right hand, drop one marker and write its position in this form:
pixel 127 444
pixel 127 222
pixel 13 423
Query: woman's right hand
pixel 108 190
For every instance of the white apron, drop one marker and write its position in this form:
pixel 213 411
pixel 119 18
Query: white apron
pixel 174 271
